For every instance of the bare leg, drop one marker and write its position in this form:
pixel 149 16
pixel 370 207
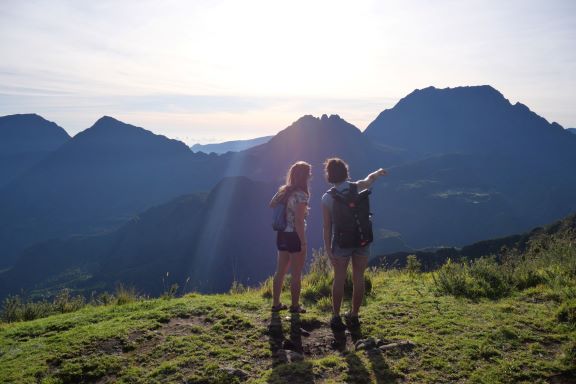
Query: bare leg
pixel 359 264
pixel 340 265
pixel 297 260
pixel 281 268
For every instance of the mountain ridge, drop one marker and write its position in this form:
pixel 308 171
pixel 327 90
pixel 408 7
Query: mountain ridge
pixel 429 199
pixel 96 181
pixel 230 146
pixel 25 140
pixel 470 119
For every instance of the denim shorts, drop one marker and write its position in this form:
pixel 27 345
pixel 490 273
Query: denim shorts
pixel 350 252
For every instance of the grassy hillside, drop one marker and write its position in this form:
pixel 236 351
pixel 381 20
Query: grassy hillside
pixel 526 336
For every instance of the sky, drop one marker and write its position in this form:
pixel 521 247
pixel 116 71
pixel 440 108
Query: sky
pixel 216 70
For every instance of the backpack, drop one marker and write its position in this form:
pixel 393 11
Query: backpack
pixel 279 213
pixel 351 217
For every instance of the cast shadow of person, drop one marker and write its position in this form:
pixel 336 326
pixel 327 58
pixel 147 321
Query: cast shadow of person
pixel 340 337
pixel 288 363
pixel 277 339
pixel 358 372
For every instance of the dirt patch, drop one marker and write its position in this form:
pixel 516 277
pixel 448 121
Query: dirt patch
pixel 563 378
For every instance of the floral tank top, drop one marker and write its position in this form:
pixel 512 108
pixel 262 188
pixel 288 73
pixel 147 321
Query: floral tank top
pixel 295 198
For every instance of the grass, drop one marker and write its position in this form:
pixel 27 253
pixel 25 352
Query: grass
pixel 523 334
pixel 194 338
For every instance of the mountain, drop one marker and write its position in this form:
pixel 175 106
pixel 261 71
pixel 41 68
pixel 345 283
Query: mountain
pixel 96 181
pixel 212 240
pixel 229 237
pixel 437 193
pixel 314 139
pixel 486 168
pixel 24 141
pixel 230 146
pixel 571 130
pixel 469 120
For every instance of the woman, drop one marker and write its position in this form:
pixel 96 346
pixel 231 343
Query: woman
pixel 337 174
pixel 291 242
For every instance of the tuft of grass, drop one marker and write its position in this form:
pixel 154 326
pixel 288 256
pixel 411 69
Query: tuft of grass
pixel 413 265
pixel 567 312
pixel 483 277
pixel 237 288
pixel 14 308
pixel 125 295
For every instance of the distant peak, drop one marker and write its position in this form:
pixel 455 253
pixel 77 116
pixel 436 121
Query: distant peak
pixel 476 94
pixel 470 89
pixel 108 120
pixel 24 117
pixel 323 118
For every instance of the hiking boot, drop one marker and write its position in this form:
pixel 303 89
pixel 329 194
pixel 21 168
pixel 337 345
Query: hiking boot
pixel 297 309
pixel 352 321
pixel 337 325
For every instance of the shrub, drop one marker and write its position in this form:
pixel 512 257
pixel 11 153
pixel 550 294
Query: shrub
pixel 36 310
pixel 567 312
pixel 237 287
pixel 103 298
pixel 64 302
pixel 549 262
pixel 413 265
pixel 12 309
pixel 125 295
pixel 452 279
pixel 483 277
pixel 316 287
pixel 266 288
pixel 492 279
pixel 16 309
pixel 324 304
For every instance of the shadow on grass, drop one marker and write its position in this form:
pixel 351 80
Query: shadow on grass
pixel 288 361
pixel 275 334
pixel 380 367
pixel 293 373
pixel 357 370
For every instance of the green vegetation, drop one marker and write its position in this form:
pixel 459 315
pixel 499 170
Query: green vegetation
pixel 547 266
pixel 14 308
pixel 479 322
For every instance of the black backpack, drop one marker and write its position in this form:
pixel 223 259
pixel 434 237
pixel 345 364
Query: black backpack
pixel 351 217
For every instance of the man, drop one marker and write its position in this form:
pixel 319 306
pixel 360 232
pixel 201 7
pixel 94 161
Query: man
pixel 337 174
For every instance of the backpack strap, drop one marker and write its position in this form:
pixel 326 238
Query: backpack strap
pixel 336 194
pixel 289 191
pixel 353 188
pixel 345 195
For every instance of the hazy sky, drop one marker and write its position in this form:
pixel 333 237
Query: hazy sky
pixel 205 71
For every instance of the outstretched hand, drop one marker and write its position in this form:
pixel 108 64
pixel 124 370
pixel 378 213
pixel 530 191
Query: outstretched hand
pixel 381 172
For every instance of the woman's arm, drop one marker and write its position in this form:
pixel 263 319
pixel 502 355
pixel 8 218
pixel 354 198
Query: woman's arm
pixel 367 182
pixel 299 216
pixel 327 230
